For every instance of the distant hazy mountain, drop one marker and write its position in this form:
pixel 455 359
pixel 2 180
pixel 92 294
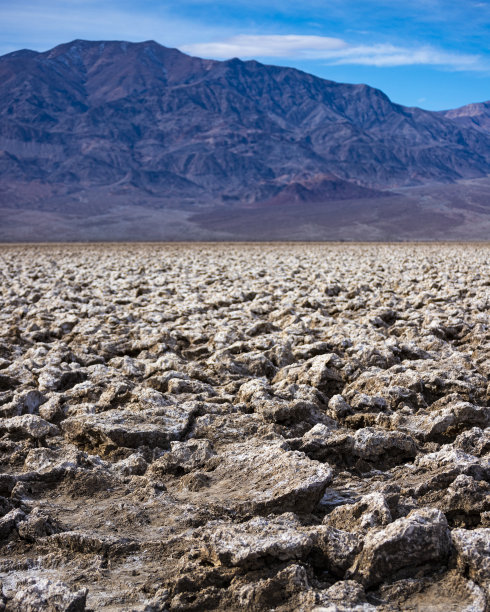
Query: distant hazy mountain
pixel 89 126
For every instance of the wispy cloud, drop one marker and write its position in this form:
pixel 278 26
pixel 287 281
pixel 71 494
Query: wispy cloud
pixel 334 51
pixel 286 45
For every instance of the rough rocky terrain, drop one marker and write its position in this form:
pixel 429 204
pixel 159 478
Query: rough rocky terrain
pixel 245 427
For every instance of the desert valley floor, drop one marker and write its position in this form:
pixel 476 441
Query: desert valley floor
pixel 245 427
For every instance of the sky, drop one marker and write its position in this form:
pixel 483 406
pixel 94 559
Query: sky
pixel 429 53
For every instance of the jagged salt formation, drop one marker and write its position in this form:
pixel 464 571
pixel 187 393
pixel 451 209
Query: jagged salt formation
pixel 245 427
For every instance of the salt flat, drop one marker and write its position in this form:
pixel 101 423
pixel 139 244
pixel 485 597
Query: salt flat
pixel 245 426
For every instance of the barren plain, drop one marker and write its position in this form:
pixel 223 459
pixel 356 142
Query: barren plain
pixel 245 427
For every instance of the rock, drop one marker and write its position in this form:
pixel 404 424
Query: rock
pixel 466 501
pixel 259 397
pixel 330 600
pixel 195 387
pixel 472 550
pixel 322 443
pixel 368 403
pixel 55 379
pixel 23 403
pixel 474 441
pixel 37 525
pixel 48 463
pixel 321 372
pixel 442 467
pixel 370 511
pixel 256 542
pixel 5 506
pixel 443 590
pixel 336 549
pixel 256 364
pixel 8 382
pixel 367 447
pixel 182 458
pixel 42 594
pixel 274 591
pixel 9 522
pixel 124 428
pixel 7 483
pixel 258 477
pixel 195 481
pixel 52 410
pixel 383 448
pixel 442 425
pixel 77 542
pixel 420 539
pixel 420 385
pixel 222 429
pixel 28 425
pixel 135 464
pixel 346 592
pixel 338 408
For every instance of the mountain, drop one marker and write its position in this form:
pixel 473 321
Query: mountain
pixel 475 116
pixel 94 130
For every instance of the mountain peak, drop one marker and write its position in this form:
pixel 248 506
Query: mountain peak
pixel 476 116
pixel 113 48
pixel 116 122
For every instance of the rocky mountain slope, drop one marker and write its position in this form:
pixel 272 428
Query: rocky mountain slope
pixel 90 126
pixel 475 116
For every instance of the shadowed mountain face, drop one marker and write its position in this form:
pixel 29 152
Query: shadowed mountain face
pixel 91 126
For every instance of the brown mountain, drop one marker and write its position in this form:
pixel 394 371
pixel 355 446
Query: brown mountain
pixel 93 131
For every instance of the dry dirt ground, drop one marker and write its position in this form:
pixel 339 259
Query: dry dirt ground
pixel 453 212
pixel 245 427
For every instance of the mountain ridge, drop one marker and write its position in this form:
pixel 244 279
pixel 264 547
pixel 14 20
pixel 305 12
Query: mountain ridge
pixel 476 115
pixel 89 125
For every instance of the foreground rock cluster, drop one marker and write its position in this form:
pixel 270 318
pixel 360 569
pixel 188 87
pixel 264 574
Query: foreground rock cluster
pixel 245 427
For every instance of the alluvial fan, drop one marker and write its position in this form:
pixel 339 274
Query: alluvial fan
pixel 245 427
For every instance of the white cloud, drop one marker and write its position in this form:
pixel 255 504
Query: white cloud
pixel 286 45
pixel 333 51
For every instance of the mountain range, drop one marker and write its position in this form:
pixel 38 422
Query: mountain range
pixel 117 140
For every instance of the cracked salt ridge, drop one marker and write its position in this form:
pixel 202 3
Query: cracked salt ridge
pixel 191 427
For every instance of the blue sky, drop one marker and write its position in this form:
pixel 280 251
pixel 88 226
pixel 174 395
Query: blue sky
pixel 429 53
